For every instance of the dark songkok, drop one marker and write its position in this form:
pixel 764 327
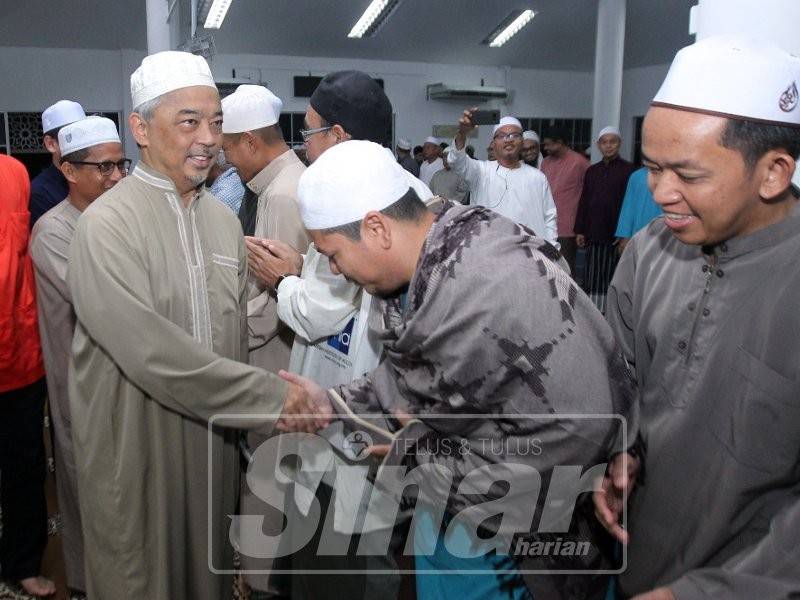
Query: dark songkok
pixel 355 101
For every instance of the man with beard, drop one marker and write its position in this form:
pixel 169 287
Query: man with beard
pixel 598 211
pixel 158 274
pixel 432 160
pixel 507 185
pixel 530 148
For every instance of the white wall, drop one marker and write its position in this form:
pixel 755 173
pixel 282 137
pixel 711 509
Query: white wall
pixel 638 88
pixel 37 77
pixel 536 93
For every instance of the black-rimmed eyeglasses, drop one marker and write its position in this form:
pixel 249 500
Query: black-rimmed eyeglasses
pixel 107 166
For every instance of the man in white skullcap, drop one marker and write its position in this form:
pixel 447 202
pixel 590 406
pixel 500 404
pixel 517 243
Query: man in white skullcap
pixel 493 355
pixel 92 162
pixel 49 187
pixel 530 149
pixel 431 160
pixel 270 170
pixel 506 185
pixel 404 157
pixel 604 186
pixel 158 276
pixel 704 302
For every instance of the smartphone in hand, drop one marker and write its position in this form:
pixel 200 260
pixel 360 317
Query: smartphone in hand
pixel 486 117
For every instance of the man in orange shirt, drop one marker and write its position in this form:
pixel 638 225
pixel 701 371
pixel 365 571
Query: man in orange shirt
pixel 22 392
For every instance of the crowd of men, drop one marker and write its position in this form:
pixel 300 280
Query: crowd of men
pixel 224 297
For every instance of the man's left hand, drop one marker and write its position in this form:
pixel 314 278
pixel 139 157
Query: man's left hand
pixel 269 260
pixel 656 594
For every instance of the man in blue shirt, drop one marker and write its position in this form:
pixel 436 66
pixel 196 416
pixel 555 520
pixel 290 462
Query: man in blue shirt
pixel 49 187
pixel 638 208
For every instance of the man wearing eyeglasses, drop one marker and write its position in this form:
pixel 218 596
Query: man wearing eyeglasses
pixel 92 162
pixel 506 185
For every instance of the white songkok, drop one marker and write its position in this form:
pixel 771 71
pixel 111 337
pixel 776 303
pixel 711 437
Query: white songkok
pixel 347 181
pixel 431 140
pixel 530 135
pixel 736 77
pixel 61 113
pixel 606 131
pixel 250 107
pixel 167 71
pixel 88 132
pixel 507 121
pixel 403 144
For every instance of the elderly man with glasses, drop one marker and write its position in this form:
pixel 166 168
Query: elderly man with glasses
pixel 506 185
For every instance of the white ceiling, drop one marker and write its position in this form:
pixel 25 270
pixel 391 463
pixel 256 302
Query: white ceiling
pixel 562 35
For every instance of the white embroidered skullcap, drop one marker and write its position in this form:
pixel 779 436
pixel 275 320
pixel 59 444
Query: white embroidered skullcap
pixel 88 132
pixel 530 135
pixel 507 121
pixel 404 144
pixel 736 77
pixel 250 107
pixel 167 71
pixel 607 130
pixel 61 113
pixel 431 140
pixel 347 181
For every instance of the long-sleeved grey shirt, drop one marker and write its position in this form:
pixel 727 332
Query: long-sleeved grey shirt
pixel 714 336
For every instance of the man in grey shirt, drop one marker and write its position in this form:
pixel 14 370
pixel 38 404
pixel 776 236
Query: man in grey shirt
pixel 704 302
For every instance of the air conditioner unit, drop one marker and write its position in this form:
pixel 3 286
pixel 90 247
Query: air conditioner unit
pixel 480 93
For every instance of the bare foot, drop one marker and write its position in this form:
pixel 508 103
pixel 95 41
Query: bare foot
pixel 38 586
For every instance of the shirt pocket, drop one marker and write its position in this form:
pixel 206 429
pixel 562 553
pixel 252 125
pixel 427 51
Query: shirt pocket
pixel 224 285
pixel 759 423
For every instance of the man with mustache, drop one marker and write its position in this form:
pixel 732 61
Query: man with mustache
pixel 507 186
pixel 158 276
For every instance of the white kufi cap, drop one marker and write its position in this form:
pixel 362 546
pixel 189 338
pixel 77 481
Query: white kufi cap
pixel 404 144
pixel 734 77
pixel 167 71
pixel 507 121
pixel 88 132
pixel 61 113
pixel 431 140
pixel 530 135
pixel 250 107
pixel 607 130
pixel 347 181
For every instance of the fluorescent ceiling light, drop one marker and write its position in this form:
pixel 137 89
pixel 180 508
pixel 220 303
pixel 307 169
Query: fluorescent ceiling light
pixel 216 14
pixel 373 18
pixel 509 27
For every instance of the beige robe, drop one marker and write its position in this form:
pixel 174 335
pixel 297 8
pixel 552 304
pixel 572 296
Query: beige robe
pixel 277 218
pixel 49 249
pixel 159 292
